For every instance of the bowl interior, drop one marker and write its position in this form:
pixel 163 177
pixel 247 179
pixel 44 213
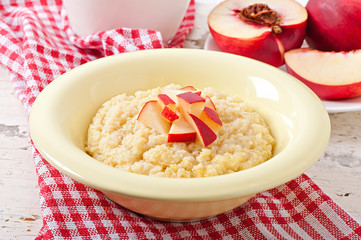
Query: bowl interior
pixel 63 111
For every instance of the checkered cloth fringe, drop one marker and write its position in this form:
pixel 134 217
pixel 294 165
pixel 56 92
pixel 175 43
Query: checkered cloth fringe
pixel 37 45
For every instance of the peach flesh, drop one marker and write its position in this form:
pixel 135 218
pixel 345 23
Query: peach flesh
pixel 210 117
pixel 181 131
pixel 209 103
pixel 191 97
pixel 190 102
pixel 150 115
pixel 164 99
pixel 169 114
pixel 204 133
pixel 188 88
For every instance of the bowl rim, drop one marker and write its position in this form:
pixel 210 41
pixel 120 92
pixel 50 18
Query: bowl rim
pixel 246 182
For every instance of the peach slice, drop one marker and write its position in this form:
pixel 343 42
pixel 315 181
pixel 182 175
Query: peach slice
pixel 164 100
pixel 188 88
pixel 331 75
pixel 172 93
pixel 211 118
pixel 262 31
pixel 191 89
pixel 190 102
pixel 181 131
pixel 209 103
pixel 205 135
pixel 150 115
pixel 168 114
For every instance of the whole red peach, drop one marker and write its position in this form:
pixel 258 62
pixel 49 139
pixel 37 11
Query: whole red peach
pixel 334 25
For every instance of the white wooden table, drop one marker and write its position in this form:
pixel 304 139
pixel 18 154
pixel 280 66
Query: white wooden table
pixel 338 172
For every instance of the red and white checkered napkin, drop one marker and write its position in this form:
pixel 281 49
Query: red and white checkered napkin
pixel 37 45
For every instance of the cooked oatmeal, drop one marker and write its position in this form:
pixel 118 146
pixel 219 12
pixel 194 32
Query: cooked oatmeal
pixel 116 138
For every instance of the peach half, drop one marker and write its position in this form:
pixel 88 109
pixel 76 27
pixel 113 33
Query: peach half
pixel 331 75
pixel 262 31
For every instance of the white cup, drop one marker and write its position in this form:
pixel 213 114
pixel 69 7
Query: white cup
pixel 90 16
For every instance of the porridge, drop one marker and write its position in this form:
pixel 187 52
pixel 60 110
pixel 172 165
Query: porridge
pixel 117 138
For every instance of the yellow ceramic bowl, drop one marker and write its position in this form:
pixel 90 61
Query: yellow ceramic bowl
pixel 62 112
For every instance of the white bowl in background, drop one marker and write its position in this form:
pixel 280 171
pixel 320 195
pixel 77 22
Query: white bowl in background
pixel 90 16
